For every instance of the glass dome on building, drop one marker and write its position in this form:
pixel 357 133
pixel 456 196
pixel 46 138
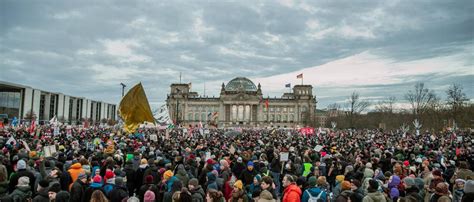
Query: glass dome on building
pixel 241 84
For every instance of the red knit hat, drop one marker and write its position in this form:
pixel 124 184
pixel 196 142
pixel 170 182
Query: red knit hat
pixel 406 163
pixel 149 179
pixel 210 162
pixel 109 175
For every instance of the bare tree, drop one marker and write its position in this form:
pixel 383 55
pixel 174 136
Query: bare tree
pixel 420 98
pixel 387 105
pixel 456 98
pixel 355 106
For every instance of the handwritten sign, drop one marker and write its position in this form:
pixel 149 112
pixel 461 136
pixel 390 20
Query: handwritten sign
pixel 284 156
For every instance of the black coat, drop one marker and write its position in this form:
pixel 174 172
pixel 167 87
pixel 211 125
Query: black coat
pixel 78 191
pixel 130 173
pixel 118 193
pixel 247 176
pixel 42 196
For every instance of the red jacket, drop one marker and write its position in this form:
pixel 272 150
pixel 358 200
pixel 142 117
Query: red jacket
pixel 292 194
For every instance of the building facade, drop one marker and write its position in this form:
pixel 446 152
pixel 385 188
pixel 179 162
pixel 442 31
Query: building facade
pixel 24 102
pixel 241 104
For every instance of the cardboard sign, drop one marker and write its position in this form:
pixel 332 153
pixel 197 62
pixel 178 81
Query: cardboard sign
pixel 232 149
pixel 459 138
pixel 56 131
pixel 284 156
pixel 154 137
pixel 49 150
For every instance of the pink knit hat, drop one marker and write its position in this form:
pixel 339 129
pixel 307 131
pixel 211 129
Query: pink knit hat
pixel 149 196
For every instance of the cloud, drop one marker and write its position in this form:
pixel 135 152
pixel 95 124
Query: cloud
pixel 376 47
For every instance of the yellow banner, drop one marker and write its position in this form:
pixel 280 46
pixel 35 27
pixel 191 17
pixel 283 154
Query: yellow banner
pixel 134 109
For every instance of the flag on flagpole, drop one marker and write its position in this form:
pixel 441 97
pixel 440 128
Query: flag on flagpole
pixel 53 121
pixel 134 108
pixel 299 76
pixel 32 126
pixel 288 85
pixel 266 103
pixel 14 122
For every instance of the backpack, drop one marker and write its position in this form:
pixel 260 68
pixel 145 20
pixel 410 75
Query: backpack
pixel 315 199
pixel 108 188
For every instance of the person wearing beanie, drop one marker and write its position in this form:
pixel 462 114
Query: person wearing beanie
pixel 22 191
pixel 42 192
pixel 345 192
pixel 56 194
pixel 149 196
pixel 393 183
pixel 254 189
pixel 411 189
pixel 468 191
pixel 78 188
pixel 74 172
pixel 356 188
pixel 130 174
pixel 314 190
pixel 109 182
pixel 182 175
pixel 441 193
pixel 337 188
pixel 211 181
pixel 197 192
pixel 169 179
pixel 248 174
pixel 119 191
pixel 21 172
pixel 95 185
pixel 374 194
pixel 238 193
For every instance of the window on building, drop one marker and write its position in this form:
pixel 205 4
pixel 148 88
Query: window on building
pixel 234 112
pixel 196 117
pixel 272 109
pixel 190 116
pixel 241 113
pixel 203 116
pixel 285 117
pixel 247 113
pixel 291 117
pixel 272 117
pixel 284 109
pixel 278 117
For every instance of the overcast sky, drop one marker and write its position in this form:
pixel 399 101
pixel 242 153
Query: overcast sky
pixel 378 48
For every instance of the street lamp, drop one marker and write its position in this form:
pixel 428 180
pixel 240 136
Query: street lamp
pixel 123 88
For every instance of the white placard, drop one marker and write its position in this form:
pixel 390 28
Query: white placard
pixel 232 149
pixel 459 138
pixel 318 148
pixel 49 150
pixel 208 155
pixel 284 156
pixel 154 137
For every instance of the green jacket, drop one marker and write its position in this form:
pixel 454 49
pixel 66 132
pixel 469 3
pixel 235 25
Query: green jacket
pixel 21 193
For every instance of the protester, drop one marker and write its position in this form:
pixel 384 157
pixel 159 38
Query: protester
pixel 360 165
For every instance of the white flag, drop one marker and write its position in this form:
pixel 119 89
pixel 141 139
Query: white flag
pixel 54 121
pixel 162 115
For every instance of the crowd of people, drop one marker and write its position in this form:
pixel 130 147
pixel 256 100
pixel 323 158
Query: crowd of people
pixel 104 164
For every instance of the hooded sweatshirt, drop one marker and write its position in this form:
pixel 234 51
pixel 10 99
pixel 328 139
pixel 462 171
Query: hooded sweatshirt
pixel 374 197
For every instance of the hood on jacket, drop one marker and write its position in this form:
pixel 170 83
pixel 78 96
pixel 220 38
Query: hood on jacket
pixel 376 196
pixel 265 194
pixel 394 182
pixel 76 166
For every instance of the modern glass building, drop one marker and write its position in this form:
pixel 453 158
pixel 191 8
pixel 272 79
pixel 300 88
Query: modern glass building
pixel 25 102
